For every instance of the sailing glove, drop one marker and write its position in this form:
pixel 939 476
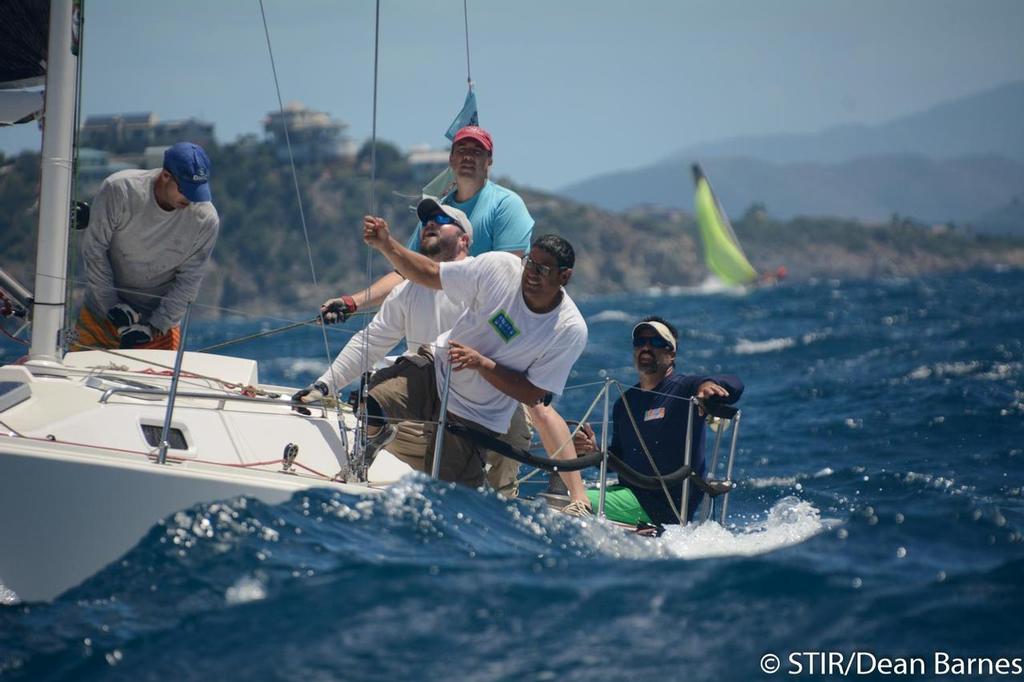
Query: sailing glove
pixel 123 315
pixel 310 394
pixel 135 335
pixel 338 309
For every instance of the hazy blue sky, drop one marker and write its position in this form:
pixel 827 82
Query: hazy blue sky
pixel 568 88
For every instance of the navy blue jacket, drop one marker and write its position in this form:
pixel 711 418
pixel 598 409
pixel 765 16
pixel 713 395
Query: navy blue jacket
pixel 661 416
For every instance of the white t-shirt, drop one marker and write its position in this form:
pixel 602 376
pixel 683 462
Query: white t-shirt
pixel 498 324
pixel 411 312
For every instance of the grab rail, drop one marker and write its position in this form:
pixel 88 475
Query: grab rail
pixel 128 390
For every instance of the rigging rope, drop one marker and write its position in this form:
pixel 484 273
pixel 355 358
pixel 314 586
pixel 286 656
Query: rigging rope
pixel 298 193
pixel 364 389
pixel 73 236
pixel 465 18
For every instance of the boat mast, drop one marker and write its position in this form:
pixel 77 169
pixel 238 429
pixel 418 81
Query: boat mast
pixel 55 186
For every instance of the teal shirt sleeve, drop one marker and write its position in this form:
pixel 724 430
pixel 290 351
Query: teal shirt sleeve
pixel 513 224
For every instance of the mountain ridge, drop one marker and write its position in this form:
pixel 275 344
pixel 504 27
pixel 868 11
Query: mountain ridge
pixel 924 165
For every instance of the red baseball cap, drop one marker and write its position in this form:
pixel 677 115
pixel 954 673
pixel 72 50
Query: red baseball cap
pixel 475 133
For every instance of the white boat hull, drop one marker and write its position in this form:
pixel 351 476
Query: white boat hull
pixel 80 485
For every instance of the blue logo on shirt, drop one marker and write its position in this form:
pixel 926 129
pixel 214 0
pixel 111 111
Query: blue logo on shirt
pixel 504 326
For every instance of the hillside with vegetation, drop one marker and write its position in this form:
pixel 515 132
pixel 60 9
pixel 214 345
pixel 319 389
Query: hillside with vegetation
pixel 961 160
pixel 261 264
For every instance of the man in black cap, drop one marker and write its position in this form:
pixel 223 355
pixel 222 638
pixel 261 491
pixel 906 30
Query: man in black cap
pixel 146 250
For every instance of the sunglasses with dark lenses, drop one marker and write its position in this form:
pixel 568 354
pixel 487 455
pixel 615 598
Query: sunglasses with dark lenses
pixel 652 341
pixel 442 219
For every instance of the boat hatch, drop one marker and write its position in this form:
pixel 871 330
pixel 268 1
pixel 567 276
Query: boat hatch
pixel 104 382
pixel 12 393
pixel 175 437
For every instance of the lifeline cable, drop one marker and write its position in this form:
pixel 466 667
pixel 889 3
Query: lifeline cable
pixel 626 472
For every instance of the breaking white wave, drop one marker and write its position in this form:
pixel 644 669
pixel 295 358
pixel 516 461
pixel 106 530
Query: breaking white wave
pixel 246 589
pixel 771 482
pixel 611 316
pixel 709 287
pixel 790 521
pixel 747 347
pixel 941 369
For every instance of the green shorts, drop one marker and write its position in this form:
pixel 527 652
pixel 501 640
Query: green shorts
pixel 620 504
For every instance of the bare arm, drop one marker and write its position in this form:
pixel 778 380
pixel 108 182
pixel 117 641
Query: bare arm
pixel 510 382
pixel 414 266
pixel 554 434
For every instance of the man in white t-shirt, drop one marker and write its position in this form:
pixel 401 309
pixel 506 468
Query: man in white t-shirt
pixel 516 342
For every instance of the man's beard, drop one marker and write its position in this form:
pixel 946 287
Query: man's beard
pixel 647 364
pixel 431 248
pixel 437 246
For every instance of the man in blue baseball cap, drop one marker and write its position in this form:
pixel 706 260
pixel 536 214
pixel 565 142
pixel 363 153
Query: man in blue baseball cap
pixel 146 250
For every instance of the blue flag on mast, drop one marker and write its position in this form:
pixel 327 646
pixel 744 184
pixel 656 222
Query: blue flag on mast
pixel 468 116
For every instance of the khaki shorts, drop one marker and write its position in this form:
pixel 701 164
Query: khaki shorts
pixel 414 444
pixel 407 392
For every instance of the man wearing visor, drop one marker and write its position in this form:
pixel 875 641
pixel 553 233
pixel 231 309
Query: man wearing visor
pixel 659 404
pixel 145 252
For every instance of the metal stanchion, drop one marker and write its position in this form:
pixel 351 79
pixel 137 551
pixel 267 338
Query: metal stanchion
pixel 442 420
pixel 604 450
pixel 707 507
pixel 684 501
pixel 728 470
pixel 162 454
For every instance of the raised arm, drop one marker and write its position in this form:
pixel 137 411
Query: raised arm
pixel 413 266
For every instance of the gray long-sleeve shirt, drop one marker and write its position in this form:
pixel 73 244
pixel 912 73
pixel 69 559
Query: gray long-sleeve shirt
pixel 136 252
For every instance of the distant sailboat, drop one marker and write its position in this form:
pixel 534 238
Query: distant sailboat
pixel 723 254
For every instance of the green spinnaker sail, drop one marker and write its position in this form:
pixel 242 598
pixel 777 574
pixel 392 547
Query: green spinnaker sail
pixel 722 252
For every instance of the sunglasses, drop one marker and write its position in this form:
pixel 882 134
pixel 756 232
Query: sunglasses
pixel 652 341
pixel 442 219
pixel 445 219
pixel 542 270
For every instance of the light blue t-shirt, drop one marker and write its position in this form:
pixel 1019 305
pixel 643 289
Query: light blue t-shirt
pixel 500 220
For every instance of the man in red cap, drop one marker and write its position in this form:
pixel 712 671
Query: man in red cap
pixel 501 222
pixel 500 219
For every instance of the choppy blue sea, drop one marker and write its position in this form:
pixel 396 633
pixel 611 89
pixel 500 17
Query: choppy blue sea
pixel 880 509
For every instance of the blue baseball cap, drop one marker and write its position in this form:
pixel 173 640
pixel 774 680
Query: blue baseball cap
pixel 191 167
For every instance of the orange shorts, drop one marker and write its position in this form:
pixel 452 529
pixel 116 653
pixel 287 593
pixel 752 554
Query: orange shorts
pixel 101 333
